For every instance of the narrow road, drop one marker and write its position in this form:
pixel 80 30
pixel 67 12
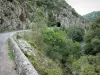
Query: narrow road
pixel 6 64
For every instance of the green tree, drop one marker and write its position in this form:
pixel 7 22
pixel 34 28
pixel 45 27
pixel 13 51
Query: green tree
pixel 76 33
pixel 60 47
pixel 92 38
pixel 87 65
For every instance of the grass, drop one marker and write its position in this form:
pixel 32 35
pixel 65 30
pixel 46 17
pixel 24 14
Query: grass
pixel 11 55
pixel 10 52
pixel 43 64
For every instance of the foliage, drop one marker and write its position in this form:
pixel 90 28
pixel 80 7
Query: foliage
pixel 50 7
pixel 51 4
pixel 56 42
pixel 51 19
pixel 11 55
pixel 33 44
pixel 40 18
pixel 10 52
pixel 76 33
pixel 87 65
pixel 43 64
pixel 92 16
pixel 60 47
pixel 47 70
pixel 57 46
pixel 92 38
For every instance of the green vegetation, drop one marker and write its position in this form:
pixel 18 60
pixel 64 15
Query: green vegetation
pixel 43 64
pixel 58 54
pixel 54 47
pixel 46 66
pixel 10 52
pixel 90 63
pixel 58 51
pixel 55 50
pixel 76 32
pixel 11 55
pixel 92 38
pixel 87 65
pixel 92 16
pixel 62 47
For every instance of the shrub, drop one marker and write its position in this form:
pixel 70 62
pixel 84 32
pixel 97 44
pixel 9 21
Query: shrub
pixel 60 47
pixel 10 51
pixel 92 38
pixel 76 33
pixel 87 65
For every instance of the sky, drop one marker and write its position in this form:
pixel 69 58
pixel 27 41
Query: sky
pixel 85 6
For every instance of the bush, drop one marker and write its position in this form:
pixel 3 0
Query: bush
pixel 60 47
pixel 44 65
pixel 47 70
pixel 76 33
pixel 87 65
pixel 92 38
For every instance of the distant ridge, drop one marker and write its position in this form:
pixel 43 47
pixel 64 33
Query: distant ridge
pixel 92 16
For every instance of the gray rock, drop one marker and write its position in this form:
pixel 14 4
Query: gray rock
pixel 17 14
pixel 11 15
pixel 25 47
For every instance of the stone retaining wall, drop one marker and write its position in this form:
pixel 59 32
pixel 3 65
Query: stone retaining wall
pixel 24 67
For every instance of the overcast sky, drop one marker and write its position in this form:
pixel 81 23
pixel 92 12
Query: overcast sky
pixel 85 6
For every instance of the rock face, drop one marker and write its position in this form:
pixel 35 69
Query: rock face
pixel 12 15
pixel 15 14
pixel 67 16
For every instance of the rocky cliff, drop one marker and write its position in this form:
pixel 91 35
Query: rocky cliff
pixel 68 17
pixel 15 14
pixel 12 15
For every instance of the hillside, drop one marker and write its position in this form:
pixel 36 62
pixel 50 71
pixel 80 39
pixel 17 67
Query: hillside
pixel 92 16
pixel 18 14
pixel 51 39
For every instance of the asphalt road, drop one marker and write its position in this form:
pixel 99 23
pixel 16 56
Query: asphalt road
pixel 6 64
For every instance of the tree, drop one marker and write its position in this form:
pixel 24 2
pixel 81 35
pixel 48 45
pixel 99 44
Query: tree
pixel 92 38
pixel 76 33
pixel 87 65
pixel 60 47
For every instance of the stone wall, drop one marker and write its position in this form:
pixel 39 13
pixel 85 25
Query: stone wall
pixel 24 67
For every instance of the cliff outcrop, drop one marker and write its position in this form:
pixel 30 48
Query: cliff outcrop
pixel 16 14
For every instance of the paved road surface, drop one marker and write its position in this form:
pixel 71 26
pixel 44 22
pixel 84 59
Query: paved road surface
pixel 6 64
